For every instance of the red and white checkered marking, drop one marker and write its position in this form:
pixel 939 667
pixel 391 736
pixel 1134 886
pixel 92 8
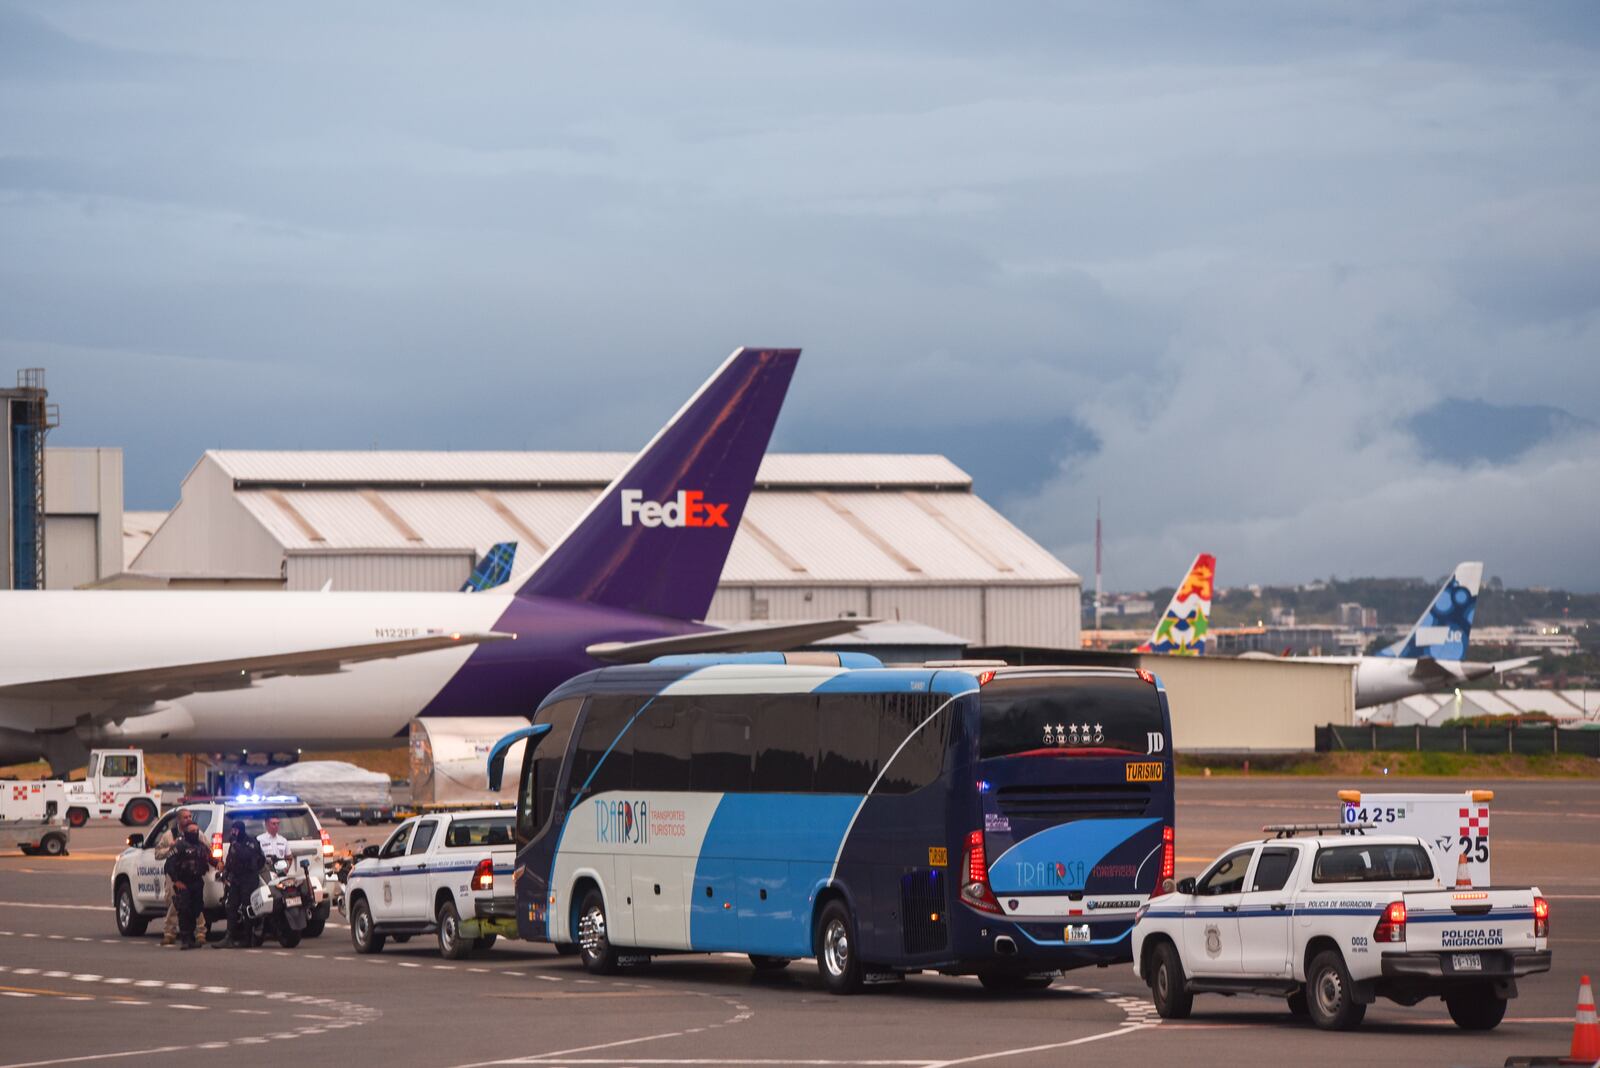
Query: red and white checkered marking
pixel 1475 826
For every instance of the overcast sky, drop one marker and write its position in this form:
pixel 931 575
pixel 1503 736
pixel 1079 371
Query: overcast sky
pixel 1215 263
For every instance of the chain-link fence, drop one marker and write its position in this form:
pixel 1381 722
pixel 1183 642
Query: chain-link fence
pixel 1511 739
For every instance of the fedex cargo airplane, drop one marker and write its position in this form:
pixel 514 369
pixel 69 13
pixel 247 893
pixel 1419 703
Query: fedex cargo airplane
pixel 212 671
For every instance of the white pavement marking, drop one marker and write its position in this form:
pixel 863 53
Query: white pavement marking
pixel 41 905
pixel 998 1054
pixel 559 1053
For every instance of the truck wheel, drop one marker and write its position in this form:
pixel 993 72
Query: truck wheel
pixel 485 943
pixel 52 845
pixel 77 817
pixel 1297 1004
pixel 129 923
pixel 1330 993
pixel 1169 987
pixel 139 813
pixel 1476 1008
pixel 363 934
pixel 837 956
pixel 594 943
pixel 452 946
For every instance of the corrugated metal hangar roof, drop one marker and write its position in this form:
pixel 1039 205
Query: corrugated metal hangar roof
pixel 815 518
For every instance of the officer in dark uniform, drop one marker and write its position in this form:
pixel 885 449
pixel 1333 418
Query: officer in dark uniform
pixel 240 874
pixel 187 866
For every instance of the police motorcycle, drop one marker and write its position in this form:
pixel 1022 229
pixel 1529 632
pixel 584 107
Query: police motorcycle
pixel 281 905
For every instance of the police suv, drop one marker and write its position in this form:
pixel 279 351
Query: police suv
pixel 446 872
pixel 1335 920
pixel 138 885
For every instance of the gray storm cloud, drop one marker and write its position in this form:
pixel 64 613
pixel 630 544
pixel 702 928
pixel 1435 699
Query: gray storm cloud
pixel 1207 262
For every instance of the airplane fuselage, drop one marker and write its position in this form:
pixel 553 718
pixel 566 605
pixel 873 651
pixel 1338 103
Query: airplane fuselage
pixel 1381 679
pixel 48 635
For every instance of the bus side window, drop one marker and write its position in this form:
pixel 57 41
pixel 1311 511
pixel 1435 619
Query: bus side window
pixel 603 759
pixel 785 744
pixel 847 743
pixel 722 746
pixel 661 745
pixel 920 759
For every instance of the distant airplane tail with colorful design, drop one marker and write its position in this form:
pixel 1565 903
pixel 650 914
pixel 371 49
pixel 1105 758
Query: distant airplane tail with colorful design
pixel 1446 627
pixel 1182 630
pixel 493 570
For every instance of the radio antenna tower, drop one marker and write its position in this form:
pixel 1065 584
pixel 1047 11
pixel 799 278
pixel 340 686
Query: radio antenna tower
pixel 1097 565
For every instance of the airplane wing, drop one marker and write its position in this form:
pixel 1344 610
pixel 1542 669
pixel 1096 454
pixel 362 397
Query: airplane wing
pixel 177 680
pixel 1503 666
pixel 776 637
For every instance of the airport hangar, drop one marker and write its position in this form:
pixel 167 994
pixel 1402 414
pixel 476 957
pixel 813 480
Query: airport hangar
pixel 898 538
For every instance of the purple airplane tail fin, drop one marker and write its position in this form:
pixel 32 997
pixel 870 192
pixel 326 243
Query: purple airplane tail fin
pixel 656 540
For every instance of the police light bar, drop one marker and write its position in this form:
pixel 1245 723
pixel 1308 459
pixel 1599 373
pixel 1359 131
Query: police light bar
pixel 265 799
pixel 1289 830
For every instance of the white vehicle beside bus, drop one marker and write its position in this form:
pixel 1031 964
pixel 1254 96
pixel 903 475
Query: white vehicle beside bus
pixel 446 872
pixel 1332 922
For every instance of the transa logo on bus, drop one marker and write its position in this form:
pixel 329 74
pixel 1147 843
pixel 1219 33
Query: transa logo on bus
pixel 622 822
pixel 1142 772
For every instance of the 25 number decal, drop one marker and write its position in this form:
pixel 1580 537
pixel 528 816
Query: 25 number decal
pixel 1476 850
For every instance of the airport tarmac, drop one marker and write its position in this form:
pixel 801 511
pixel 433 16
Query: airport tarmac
pixel 73 992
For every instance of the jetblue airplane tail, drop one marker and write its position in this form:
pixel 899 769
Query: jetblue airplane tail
pixel 656 539
pixel 1445 628
pixel 493 570
pixel 1182 629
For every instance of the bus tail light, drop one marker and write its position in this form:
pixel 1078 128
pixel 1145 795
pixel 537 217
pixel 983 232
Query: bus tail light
pixel 216 846
pixel 483 876
pixel 1541 918
pixel 1392 926
pixel 975 891
pixel 1169 863
pixel 327 843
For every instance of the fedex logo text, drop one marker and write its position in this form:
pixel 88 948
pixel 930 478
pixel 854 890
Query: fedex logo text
pixel 688 509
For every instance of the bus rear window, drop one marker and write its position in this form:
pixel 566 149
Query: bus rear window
pixel 1063 716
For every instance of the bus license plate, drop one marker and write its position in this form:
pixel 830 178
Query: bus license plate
pixel 1467 962
pixel 1077 932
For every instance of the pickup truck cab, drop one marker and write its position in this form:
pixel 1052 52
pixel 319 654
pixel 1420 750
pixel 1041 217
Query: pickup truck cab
pixel 445 872
pixel 1332 922
pixel 139 887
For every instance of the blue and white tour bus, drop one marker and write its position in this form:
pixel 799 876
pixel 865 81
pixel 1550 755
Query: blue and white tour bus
pixel 999 821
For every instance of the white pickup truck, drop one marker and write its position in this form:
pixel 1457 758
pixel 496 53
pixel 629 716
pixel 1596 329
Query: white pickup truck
pixel 446 872
pixel 1333 921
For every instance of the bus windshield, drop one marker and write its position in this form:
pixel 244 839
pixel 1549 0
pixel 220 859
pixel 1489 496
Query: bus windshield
pixel 1056 716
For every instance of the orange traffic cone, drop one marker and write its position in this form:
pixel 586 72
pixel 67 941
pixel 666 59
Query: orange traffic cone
pixel 1586 1031
pixel 1463 876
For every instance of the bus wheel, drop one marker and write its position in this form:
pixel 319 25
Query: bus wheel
pixel 836 950
pixel 764 963
pixel 599 955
